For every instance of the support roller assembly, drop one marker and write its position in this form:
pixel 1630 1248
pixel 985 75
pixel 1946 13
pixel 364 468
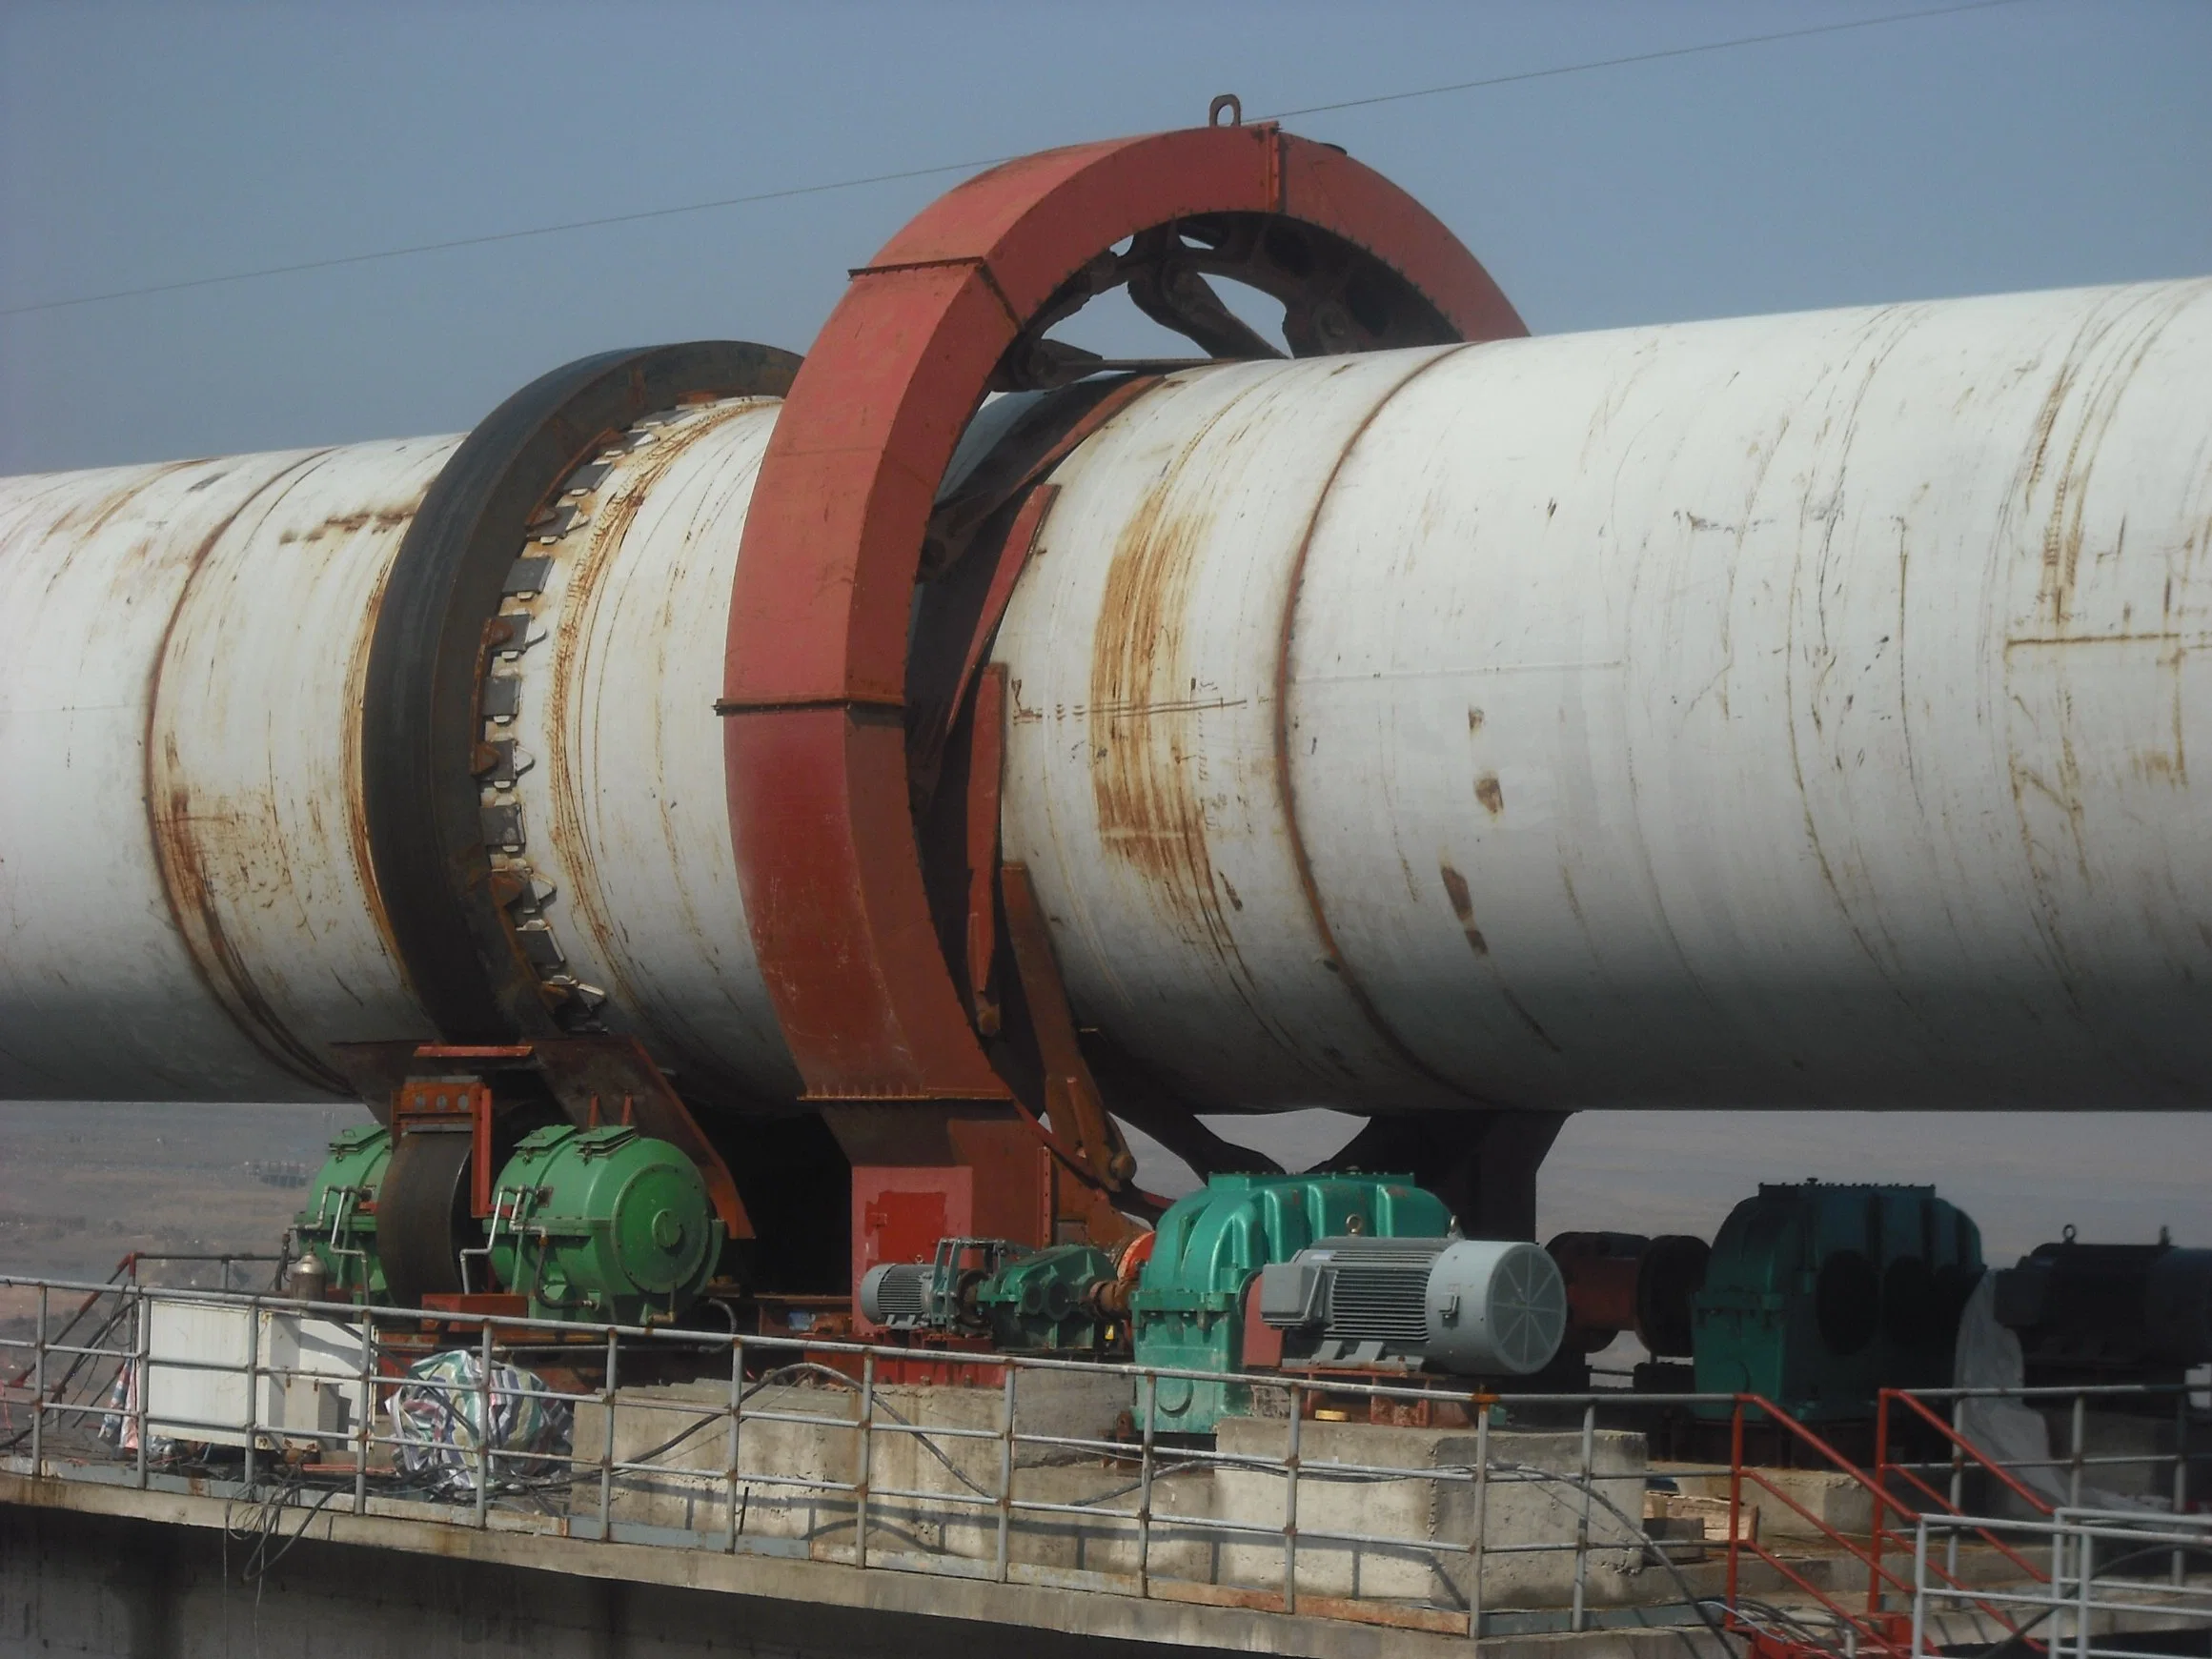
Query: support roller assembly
pixel 783 772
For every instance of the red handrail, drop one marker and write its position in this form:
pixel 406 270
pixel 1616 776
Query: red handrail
pixel 1874 1625
pixel 1881 1531
pixel 1885 1468
pixel 1958 1440
pixel 1872 1628
pixel 1841 1540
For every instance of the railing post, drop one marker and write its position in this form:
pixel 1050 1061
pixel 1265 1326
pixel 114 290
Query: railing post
pixel 38 1389
pixel 1007 1471
pixel 2180 1572
pixel 1290 1500
pixel 1920 1585
pixel 365 1406
pixel 2080 1426
pixel 2058 1600
pixel 1736 1501
pixel 1582 1521
pixel 607 1449
pixel 736 1426
pixel 1475 1544
pixel 865 1459
pixel 253 1392
pixel 484 1426
pixel 2085 1561
pixel 1151 1395
pixel 141 1384
pixel 1958 1487
pixel 1880 1505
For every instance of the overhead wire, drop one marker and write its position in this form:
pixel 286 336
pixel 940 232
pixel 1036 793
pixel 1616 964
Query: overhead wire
pixel 1642 57
pixel 491 237
pixel 720 203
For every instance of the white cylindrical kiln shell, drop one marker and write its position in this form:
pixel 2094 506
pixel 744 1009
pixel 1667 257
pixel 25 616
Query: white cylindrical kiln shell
pixel 1785 711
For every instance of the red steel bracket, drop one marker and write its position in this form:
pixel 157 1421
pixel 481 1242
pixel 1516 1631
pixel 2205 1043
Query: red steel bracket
pixel 814 682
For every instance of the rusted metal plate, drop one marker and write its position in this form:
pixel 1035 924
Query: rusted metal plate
pixel 253 758
pixel 1078 1117
pixel 1789 711
pixel 985 779
pixel 186 899
pixel 1142 650
pixel 815 666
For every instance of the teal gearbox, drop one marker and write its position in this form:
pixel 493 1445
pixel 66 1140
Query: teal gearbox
pixel 1819 1296
pixel 1189 1309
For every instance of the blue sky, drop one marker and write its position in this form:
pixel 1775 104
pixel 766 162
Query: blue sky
pixel 2035 144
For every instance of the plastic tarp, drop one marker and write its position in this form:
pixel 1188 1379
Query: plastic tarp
pixel 438 1419
pixel 2009 1432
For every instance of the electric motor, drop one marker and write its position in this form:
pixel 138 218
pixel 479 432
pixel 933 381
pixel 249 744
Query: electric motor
pixel 1194 1307
pixel 1048 1301
pixel 903 1296
pixel 338 1223
pixel 1470 1306
pixel 2097 1307
pixel 602 1223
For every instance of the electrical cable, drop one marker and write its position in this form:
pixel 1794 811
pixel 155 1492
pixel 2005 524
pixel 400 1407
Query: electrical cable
pixel 268 1524
pixel 56 1393
pixel 1587 1486
pixel 772 1378
pixel 1782 1625
pixel 718 203
pixel 804 1367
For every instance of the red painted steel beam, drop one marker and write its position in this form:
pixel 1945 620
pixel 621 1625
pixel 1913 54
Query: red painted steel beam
pixel 815 676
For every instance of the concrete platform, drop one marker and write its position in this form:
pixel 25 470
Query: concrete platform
pixel 91 1569
pixel 934 1474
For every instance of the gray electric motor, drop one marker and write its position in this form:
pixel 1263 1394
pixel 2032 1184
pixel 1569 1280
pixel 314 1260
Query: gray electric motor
pixel 903 1295
pixel 1473 1308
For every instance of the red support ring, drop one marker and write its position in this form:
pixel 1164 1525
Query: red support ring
pixel 814 680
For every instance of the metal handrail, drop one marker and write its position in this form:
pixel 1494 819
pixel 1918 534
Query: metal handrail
pixel 1963 1451
pixel 877 1508
pixel 2069 1603
pixel 1866 1629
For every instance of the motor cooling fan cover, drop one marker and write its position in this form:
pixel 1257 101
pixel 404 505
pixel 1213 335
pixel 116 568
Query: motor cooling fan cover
pixel 1496 1309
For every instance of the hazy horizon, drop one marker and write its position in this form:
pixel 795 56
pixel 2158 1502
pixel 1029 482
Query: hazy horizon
pixel 83 1182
